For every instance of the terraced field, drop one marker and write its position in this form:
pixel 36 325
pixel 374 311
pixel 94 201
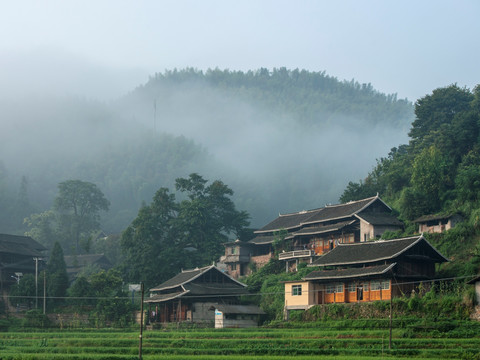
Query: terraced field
pixel 233 344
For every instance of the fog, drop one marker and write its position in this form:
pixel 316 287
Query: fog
pixel 59 111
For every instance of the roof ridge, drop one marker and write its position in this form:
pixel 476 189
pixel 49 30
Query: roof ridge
pixel 351 202
pixel 381 241
pixel 300 212
pixel 197 269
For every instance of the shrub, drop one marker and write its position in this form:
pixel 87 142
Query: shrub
pixel 4 324
pixel 35 319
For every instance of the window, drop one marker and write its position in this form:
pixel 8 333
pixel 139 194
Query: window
pixel 339 288
pixel 375 285
pixel 234 251
pixel 233 267
pixel 296 290
pixel 365 286
pixel 330 289
pixel 386 285
pixel 352 287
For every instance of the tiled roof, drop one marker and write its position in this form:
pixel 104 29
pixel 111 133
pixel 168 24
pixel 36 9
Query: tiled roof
pixel 366 252
pixel 89 259
pixel 288 221
pixel 313 230
pixel 189 275
pixel 21 245
pixel 259 240
pixel 327 213
pixel 164 297
pixel 426 218
pixel 239 309
pixel 214 289
pixel 349 273
pixel 379 219
pixel 332 212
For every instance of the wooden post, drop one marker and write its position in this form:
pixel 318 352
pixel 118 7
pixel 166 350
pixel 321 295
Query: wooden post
pixel 391 315
pixel 141 326
pixel 44 291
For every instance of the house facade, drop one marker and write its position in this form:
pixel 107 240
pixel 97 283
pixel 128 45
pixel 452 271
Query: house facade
pixel 17 254
pixel 193 296
pixel 365 271
pixel 305 235
pixel 437 223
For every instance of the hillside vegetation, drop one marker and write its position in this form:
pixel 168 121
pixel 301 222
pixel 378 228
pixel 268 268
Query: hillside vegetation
pixel 267 134
pixel 437 172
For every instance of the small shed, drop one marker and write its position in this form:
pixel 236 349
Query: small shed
pixel 437 223
pixel 77 263
pixel 476 282
pixel 236 316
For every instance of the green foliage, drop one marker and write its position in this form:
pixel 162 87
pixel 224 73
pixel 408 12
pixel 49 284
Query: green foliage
pixel 57 278
pixel 78 204
pixel 24 291
pixel 35 319
pixel 436 173
pixel 112 303
pixel 81 292
pixel 167 236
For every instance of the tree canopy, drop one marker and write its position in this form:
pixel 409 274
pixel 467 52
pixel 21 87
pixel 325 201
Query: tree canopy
pixel 437 170
pixel 167 235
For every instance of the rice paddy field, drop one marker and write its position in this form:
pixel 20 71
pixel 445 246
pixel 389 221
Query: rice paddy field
pixel 232 344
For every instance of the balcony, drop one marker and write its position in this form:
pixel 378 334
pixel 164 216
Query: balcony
pixel 296 254
pixel 237 259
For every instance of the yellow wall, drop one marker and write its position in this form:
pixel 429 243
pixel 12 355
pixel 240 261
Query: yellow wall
pixel 307 297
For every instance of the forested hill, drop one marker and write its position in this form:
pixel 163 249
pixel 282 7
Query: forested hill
pixel 283 140
pixel 437 172
pixel 311 98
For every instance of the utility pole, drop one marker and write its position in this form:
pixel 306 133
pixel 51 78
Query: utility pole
pixel 391 316
pixel 141 325
pixel 44 291
pixel 36 259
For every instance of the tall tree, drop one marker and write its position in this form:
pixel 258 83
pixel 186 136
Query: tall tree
pixel 207 218
pixel 57 278
pixel 78 204
pixel 150 247
pixel 167 236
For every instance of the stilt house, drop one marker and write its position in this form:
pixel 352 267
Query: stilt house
pixel 367 271
pixel 193 296
pixel 305 235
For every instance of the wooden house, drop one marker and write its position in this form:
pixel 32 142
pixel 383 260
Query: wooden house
pixel 17 254
pixel 77 263
pixel 193 296
pixel 437 223
pixel 309 234
pixel 366 271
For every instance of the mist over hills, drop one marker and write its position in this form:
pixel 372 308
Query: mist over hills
pixel 283 140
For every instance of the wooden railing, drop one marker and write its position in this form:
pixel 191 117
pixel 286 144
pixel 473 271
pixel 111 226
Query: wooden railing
pixel 295 254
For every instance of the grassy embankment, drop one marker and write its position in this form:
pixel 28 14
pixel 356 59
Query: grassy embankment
pixel 327 339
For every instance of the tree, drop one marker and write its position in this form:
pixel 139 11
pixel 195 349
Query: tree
pixel 151 252
pixel 24 291
pixel 437 109
pixel 57 278
pixel 78 204
pixel 112 304
pixel 43 228
pixel 430 176
pixel 207 218
pixel 167 236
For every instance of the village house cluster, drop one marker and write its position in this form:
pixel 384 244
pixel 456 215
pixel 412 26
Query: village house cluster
pixel 342 243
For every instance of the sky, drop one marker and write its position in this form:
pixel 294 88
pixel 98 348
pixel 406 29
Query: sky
pixel 104 48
